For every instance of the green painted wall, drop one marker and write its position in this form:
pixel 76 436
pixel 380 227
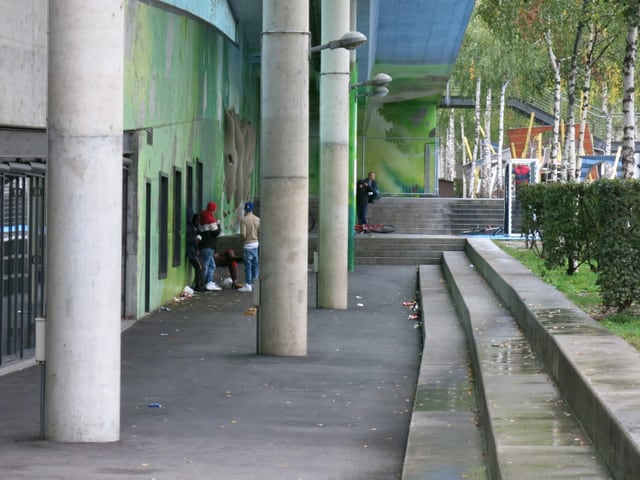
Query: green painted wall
pixel 400 146
pixel 180 76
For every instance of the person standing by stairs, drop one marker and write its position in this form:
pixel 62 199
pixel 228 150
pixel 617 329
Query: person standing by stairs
pixel 374 193
pixel 362 201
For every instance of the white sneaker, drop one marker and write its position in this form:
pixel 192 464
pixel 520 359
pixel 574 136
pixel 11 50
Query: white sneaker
pixel 213 286
pixel 246 288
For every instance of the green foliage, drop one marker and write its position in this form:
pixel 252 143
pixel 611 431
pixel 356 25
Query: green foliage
pixel 618 248
pixel 596 224
pixel 531 200
pixel 568 233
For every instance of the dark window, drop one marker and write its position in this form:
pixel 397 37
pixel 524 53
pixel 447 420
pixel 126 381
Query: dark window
pixel 190 204
pixel 199 186
pixel 177 217
pixel 163 223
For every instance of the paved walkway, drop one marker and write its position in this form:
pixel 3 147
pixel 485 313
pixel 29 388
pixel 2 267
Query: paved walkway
pixel 341 412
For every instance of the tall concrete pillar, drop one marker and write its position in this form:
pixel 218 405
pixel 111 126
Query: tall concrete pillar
pixel 353 142
pixel 333 247
pixel 84 184
pixel 284 192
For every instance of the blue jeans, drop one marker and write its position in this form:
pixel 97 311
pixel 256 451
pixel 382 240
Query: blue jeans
pixel 208 264
pixel 250 265
pixel 361 210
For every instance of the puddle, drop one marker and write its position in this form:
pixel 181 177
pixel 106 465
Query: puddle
pixel 566 322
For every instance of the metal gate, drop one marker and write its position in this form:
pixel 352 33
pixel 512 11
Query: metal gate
pixel 22 263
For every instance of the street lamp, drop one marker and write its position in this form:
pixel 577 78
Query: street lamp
pixel 379 80
pixel 350 41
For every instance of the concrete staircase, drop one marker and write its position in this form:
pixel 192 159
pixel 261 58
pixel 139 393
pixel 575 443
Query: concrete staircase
pixel 556 393
pixel 436 216
pixel 425 227
pixel 392 249
pixel 430 216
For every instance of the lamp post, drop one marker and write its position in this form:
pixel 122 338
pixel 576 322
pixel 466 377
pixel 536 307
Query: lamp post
pixel 282 316
pixel 334 179
pixel 378 89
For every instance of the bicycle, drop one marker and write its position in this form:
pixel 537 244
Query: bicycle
pixel 375 228
pixel 486 230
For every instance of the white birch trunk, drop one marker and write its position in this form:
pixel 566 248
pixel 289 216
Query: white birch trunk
pixel 450 164
pixel 500 174
pixel 628 103
pixel 570 137
pixel 609 120
pixel 476 143
pixel 485 177
pixel 555 141
pixel 586 97
pixel 464 159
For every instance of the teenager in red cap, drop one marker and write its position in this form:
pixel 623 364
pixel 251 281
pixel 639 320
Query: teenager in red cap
pixel 209 231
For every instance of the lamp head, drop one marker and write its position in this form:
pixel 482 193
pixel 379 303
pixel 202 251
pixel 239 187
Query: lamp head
pixel 349 41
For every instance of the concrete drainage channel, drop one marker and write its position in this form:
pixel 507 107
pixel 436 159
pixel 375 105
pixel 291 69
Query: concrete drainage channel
pixel 487 403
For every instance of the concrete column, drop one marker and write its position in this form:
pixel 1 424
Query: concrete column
pixel 333 247
pixel 84 184
pixel 284 192
pixel 353 142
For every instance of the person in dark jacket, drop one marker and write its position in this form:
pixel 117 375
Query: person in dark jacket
pixel 209 230
pixel 374 193
pixel 362 201
pixel 193 252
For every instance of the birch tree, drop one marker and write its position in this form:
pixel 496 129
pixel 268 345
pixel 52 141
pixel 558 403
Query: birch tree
pixel 608 120
pixel 464 160
pixel 449 171
pixel 628 80
pixel 557 90
pixel 500 166
pixel 476 142
pixel 570 142
pixel 485 177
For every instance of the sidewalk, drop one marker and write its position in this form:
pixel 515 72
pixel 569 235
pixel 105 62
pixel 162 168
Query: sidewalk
pixel 341 412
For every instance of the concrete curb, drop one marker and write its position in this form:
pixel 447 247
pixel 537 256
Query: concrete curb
pixel 597 372
pixel 527 428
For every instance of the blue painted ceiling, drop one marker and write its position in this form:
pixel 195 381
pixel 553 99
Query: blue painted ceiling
pixel 415 41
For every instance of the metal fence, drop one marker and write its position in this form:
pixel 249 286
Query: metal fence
pixel 22 266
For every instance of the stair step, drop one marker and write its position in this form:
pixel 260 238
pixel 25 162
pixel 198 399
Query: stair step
pixel 390 249
pixel 443 406
pixel 530 430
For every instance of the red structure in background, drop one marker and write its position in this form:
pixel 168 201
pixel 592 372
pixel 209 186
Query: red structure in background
pixel 518 138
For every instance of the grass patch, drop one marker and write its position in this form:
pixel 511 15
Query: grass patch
pixel 581 289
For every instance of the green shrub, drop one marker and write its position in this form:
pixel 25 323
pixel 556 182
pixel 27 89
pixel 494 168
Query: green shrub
pixel 596 224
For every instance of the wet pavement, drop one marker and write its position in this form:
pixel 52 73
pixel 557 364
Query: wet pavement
pixel 198 403
pixel 531 430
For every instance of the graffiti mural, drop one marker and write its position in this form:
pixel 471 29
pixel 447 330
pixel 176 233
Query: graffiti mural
pixel 239 158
